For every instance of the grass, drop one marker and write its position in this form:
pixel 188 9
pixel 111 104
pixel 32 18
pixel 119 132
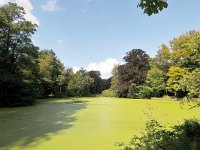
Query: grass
pixel 84 123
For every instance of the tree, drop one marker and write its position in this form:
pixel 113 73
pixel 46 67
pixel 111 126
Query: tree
pixel 156 81
pixel 152 6
pixel 115 81
pixel 96 86
pixel 163 59
pixel 106 83
pixel 18 55
pixel 175 75
pixel 80 83
pixel 183 55
pixel 133 73
pixel 191 84
pixel 186 50
pixel 52 74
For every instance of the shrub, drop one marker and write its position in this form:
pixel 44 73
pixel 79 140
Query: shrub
pixel 142 92
pixel 59 94
pixel 109 93
pixel 157 137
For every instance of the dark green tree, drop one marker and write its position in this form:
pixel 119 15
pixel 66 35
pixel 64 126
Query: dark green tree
pixel 96 86
pixel 152 6
pixel 106 83
pixel 18 56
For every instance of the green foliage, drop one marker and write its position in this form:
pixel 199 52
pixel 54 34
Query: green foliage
pixel 191 84
pixel 156 81
pixel 80 84
pixel 175 75
pixel 176 61
pixel 109 93
pixel 186 50
pixel 115 81
pixel 106 83
pixel 163 59
pixel 152 6
pixel 141 92
pixel 96 86
pixel 156 136
pixel 52 73
pixel 18 56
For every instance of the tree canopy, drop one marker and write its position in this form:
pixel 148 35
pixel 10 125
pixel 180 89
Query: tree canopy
pixel 152 6
pixel 132 73
pixel 18 55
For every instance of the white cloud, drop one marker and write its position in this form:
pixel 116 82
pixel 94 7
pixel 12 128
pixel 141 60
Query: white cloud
pixel 105 67
pixel 28 7
pixel 50 6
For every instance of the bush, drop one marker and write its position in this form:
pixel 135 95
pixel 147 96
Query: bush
pixel 142 92
pixel 109 93
pixel 157 137
pixel 59 94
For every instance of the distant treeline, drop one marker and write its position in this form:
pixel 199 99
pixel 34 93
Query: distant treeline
pixel 26 72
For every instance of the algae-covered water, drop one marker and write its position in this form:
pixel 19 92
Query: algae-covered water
pixel 84 123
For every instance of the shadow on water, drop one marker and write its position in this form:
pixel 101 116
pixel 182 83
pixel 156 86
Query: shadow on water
pixel 24 125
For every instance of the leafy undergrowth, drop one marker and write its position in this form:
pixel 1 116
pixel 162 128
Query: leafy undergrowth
pixel 157 137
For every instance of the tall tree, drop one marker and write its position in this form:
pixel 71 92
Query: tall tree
pixel 137 65
pixel 133 73
pixel 52 73
pixel 18 55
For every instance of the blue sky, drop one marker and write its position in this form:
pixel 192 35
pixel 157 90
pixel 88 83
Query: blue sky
pixel 96 34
